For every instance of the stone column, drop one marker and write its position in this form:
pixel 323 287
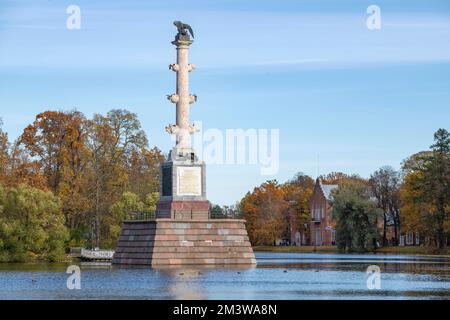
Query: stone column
pixel 182 129
pixel 183 181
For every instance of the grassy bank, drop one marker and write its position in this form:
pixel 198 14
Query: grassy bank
pixel 329 249
pixel 413 250
pixel 333 249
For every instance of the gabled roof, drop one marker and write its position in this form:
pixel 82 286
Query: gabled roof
pixel 389 218
pixel 326 189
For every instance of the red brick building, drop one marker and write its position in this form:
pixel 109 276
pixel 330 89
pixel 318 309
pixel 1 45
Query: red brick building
pixel 410 239
pixel 322 226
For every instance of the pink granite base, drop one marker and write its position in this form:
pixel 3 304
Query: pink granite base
pixel 183 209
pixel 168 242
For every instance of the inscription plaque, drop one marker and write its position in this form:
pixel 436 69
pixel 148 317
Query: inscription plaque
pixel 189 181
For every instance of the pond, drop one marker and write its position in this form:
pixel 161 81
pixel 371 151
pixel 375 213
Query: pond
pixel 277 276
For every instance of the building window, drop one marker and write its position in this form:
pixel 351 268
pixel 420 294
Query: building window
pixel 409 238
pixel 417 238
pixel 318 237
pixel 316 213
pixel 402 240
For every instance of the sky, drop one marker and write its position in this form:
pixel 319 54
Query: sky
pixel 343 97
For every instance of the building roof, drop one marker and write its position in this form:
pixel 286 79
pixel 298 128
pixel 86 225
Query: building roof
pixel 389 218
pixel 326 189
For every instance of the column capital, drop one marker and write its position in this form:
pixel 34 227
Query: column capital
pixel 182 42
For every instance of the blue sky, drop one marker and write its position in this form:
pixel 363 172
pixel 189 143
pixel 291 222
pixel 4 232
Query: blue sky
pixel 354 98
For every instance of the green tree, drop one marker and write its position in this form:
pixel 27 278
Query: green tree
pixel 88 164
pixel 57 140
pixel 31 225
pixel 150 202
pixel 438 182
pixel 128 202
pixel 356 215
pixel 385 185
pixel 216 211
pixel 111 141
pixel 426 191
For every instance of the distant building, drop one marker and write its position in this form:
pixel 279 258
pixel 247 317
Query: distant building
pixel 410 239
pixel 390 229
pixel 297 237
pixel 322 226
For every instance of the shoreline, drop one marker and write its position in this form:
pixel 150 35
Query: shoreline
pixel 408 250
pixel 411 250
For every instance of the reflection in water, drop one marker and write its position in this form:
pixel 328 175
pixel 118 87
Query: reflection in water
pixel 277 276
pixel 182 284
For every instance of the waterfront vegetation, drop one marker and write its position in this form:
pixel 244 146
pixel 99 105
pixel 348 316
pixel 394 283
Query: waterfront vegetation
pixel 417 199
pixel 68 181
pixel 356 217
pixel 406 250
pixel 31 225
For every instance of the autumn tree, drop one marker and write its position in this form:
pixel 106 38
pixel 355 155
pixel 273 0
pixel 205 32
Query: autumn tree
pixel 24 169
pixel 385 185
pixel 340 177
pixel 44 139
pixel 4 154
pixel 415 212
pixel 16 166
pixel 58 141
pixel 426 191
pixel 143 168
pixel 265 210
pixel 111 141
pixel 298 192
pixel 88 164
pixel 75 171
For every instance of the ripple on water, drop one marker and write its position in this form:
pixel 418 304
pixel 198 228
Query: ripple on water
pixel 277 276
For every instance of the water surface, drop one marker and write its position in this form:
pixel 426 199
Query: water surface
pixel 277 276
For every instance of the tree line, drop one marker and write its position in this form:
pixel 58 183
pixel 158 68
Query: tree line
pixel 413 199
pixel 82 175
pixel 69 181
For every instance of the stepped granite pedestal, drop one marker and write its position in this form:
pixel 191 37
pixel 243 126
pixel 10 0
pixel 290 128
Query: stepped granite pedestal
pixel 165 242
pixel 183 233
